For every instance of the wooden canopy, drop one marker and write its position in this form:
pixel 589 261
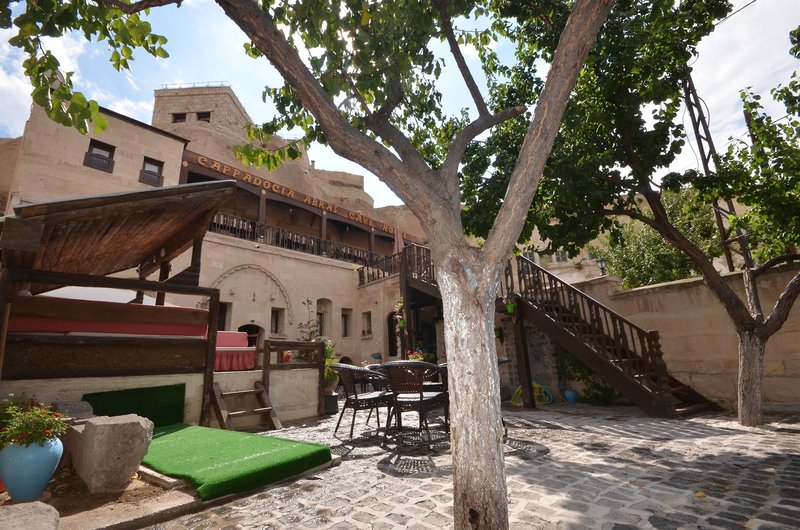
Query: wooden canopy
pixel 106 234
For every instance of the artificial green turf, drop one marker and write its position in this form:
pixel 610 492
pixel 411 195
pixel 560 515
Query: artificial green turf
pixel 218 462
pixel 163 405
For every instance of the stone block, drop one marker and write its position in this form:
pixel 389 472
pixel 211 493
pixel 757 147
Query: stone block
pixel 28 516
pixel 110 450
pixel 76 410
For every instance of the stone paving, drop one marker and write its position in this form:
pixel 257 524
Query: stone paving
pixel 567 467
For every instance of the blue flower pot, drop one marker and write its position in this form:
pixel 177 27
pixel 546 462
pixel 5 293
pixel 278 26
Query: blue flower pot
pixel 571 396
pixel 27 470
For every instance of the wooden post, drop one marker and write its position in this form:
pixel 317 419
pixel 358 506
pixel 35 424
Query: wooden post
pixel 523 360
pixel 211 354
pixel 4 335
pixel 163 275
pixel 266 351
pixel 262 208
pixel 372 239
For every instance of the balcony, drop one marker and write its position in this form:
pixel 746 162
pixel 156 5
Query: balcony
pixel 249 230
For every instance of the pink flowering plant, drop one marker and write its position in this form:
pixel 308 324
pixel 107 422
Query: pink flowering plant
pixel 415 355
pixel 24 421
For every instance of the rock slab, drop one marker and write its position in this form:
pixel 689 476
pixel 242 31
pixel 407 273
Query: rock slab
pixel 28 516
pixel 107 450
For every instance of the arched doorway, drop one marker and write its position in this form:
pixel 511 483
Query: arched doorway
pixel 253 332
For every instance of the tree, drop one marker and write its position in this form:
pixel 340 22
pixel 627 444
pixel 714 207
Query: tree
pixel 608 153
pixel 640 256
pixel 367 88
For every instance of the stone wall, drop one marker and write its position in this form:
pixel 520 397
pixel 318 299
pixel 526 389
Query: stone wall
pixel 541 355
pixel 255 278
pixel 698 339
pixel 71 389
pixel 50 164
pixel 293 393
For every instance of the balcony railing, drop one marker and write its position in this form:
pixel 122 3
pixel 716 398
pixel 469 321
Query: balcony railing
pixel 382 268
pixel 264 234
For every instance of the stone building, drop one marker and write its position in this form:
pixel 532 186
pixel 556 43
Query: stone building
pixel 285 253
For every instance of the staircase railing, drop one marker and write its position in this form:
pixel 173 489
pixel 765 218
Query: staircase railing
pixel 633 350
pixel 419 263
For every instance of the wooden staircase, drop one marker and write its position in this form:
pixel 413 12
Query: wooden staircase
pixel 628 357
pixel 264 407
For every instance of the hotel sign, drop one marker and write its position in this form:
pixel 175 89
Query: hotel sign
pixel 279 189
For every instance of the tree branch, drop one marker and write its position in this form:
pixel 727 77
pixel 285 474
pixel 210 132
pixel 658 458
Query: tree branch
pixel 782 308
pixel 736 308
pixel 751 292
pixel 456 150
pixel 576 40
pixel 344 139
pixel 776 261
pixel 447 29
pixel 141 5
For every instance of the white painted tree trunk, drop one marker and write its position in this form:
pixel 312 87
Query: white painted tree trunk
pixel 468 297
pixel 751 371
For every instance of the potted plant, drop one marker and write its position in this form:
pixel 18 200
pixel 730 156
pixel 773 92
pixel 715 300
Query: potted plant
pixel 399 316
pixel 330 377
pixel 511 305
pixel 31 449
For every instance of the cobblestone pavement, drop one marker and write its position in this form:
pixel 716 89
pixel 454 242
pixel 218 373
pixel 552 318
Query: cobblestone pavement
pixel 567 467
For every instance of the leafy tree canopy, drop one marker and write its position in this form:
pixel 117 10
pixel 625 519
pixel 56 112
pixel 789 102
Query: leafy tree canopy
pixel 765 175
pixel 640 256
pixel 619 127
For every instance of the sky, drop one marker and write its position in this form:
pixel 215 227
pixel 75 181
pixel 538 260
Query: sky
pixel 750 49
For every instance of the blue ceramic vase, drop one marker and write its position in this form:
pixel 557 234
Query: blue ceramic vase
pixel 571 396
pixel 26 470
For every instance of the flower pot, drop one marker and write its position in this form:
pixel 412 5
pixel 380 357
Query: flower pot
pixel 26 470
pixel 571 396
pixel 511 308
pixel 401 323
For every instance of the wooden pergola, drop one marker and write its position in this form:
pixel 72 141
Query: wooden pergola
pixel 83 242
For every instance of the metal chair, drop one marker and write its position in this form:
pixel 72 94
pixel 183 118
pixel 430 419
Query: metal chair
pixel 351 378
pixel 407 383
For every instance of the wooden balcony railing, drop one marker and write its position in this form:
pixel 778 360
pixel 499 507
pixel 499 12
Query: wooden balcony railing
pixel 264 234
pixel 381 268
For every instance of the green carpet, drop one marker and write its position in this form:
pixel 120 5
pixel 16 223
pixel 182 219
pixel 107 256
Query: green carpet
pixel 163 405
pixel 218 462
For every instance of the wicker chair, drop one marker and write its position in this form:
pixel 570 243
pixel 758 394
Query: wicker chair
pixel 408 381
pixel 351 378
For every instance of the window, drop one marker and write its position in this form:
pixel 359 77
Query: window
pixel 151 172
pixel 178 117
pixel 560 256
pixel 346 318
pixel 276 321
pixel 224 312
pixel 100 156
pixel 204 116
pixel 321 324
pixel 366 323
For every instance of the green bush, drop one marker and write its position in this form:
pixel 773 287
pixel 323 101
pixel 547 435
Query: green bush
pixel 595 389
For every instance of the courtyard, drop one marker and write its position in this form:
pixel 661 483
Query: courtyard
pixel 567 467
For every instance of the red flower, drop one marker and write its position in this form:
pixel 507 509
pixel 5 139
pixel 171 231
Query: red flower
pixel 47 432
pixel 57 415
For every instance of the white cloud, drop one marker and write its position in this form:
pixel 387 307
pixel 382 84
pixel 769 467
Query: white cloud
pixel 14 88
pixel 68 49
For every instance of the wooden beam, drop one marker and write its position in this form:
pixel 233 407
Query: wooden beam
pixel 22 235
pixel 87 280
